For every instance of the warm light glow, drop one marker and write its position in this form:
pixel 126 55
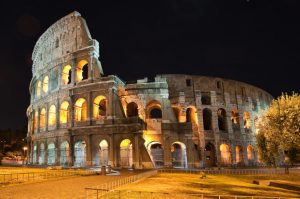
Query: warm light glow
pixel 80 110
pixel 125 143
pixel 250 152
pixel 247 121
pixel 225 154
pixel 43 118
pixel 46 84
pixel 38 89
pixel 52 116
pixel 238 154
pixel 35 120
pixel 99 107
pixel 66 78
pixel 64 112
pixel 80 68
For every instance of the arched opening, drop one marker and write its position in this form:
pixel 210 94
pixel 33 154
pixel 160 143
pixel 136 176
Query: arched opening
pixel 80 110
pixel 179 159
pixel 38 88
pixel 156 153
pixel 126 153
pixel 207 119
pixel 239 159
pixel 51 154
pixel 35 121
pixel 225 155
pixel 66 75
pixel 52 116
pixel 132 110
pixel 64 153
pixel 191 115
pixel 80 153
pixel 235 120
pixel 247 120
pixel 99 107
pixel 82 71
pixel 176 113
pixel 42 154
pixel 222 124
pixel 43 118
pixel 34 154
pixel 250 154
pixel 210 155
pixel 154 110
pixel 46 84
pixel 64 112
pixel 103 153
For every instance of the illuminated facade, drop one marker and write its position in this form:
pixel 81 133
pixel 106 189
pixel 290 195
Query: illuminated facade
pixel 79 117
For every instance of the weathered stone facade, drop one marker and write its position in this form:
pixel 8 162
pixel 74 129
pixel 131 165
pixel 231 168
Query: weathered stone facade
pixel 79 117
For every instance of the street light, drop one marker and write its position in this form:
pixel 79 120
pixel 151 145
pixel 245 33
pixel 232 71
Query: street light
pixel 25 148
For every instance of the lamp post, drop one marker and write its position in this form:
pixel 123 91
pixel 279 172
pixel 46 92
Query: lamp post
pixel 25 155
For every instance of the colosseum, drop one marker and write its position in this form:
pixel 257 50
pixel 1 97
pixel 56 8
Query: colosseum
pixel 79 117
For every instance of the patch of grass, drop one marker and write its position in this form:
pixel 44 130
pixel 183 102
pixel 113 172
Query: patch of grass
pixel 215 184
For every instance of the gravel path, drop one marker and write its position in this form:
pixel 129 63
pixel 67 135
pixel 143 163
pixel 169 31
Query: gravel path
pixel 72 187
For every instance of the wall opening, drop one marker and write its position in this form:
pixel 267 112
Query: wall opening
pixel 250 154
pixel 80 153
pixel 52 116
pixel 34 154
pixel 82 71
pixel 80 110
pixel 207 119
pixel 179 159
pixel 99 106
pixel 42 154
pixel 222 123
pixel 64 153
pixel 38 88
pixel 103 153
pixel 225 155
pixel 239 159
pixel 64 112
pixel 156 153
pixel 51 154
pixel 247 120
pixel 67 75
pixel 210 155
pixel 126 153
pixel 235 120
pixel 132 110
pixel 46 84
pixel 43 118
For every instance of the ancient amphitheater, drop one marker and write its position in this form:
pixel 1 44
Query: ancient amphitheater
pixel 80 117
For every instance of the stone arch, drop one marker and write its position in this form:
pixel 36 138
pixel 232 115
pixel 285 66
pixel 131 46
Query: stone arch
pixel 191 115
pixel 179 157
pixel 99 107
pixel 247 120
pixel 239 157
pixel 225 155
pixel 156 152
pixel 52 116
pixel 222 120
pixel 46 84
pixel 176 111
pixel 235 119
pixel 103 153
pixel 250 154
pixel 82 70
pixel 207 119
pixel 64 153
pixel 64 113
pixel 210 155
pixel 51 152
pixel 154 110
pixel 66 75
pixel 38 88
pixel 126 153
pixel 42 154
pixel 132 110
pixel 80 153
pixel 80 110
pixel 43 118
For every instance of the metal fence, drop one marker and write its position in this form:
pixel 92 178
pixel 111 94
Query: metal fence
pixel 100 190
pixel 34 176
pixel 127 194
pixel 226 171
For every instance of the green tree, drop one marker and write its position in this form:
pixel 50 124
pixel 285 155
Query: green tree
pixel 279 129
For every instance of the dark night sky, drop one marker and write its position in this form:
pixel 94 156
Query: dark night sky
pixel 254 41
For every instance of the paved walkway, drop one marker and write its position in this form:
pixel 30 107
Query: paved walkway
pixel 72 187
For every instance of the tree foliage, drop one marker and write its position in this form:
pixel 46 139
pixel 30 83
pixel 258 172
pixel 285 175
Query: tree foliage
pixel 279 129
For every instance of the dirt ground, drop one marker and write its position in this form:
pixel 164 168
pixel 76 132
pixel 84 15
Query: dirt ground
pixel 72 187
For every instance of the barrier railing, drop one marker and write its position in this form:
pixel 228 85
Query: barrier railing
pixel 127 194
pixel 226 171
pixel 100 190
pixel 33 176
